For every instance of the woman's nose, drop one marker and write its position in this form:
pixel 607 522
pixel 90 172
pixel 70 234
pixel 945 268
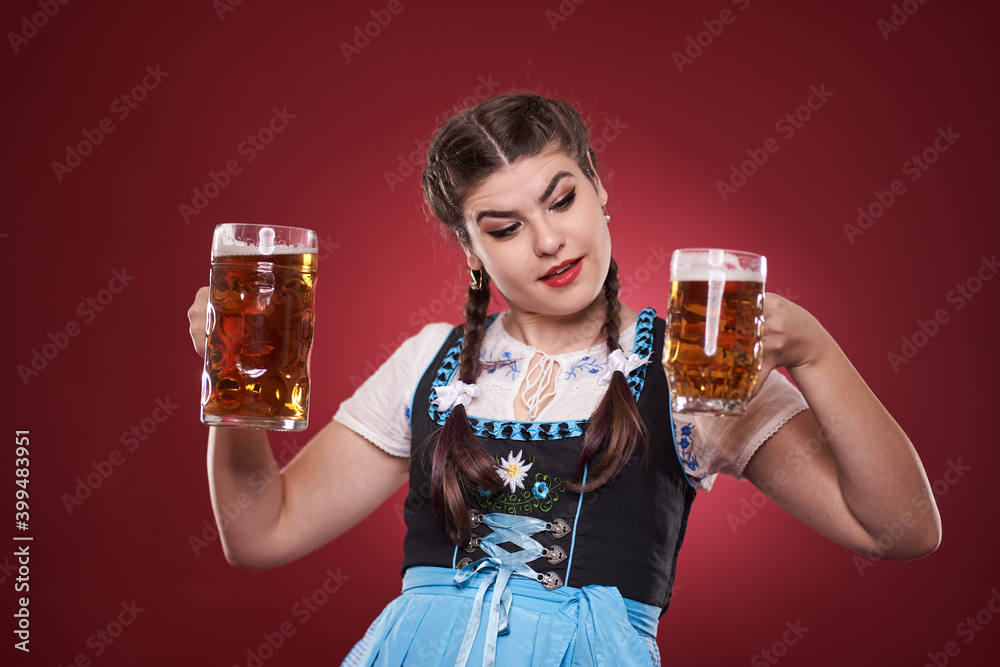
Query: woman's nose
pixel 549 237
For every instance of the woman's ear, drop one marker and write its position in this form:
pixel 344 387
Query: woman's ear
pixel 474 262
pixel 602 194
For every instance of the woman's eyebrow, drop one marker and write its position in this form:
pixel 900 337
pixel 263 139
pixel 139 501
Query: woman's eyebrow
pixel 545 195
pixel 494 214
pixel 552 185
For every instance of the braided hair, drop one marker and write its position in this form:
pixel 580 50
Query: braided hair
pixel 470 147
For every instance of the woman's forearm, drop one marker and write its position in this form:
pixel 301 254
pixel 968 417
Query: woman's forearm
pixel 879 472
pixel 247 492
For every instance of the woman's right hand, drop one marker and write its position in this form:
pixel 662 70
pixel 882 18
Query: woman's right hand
pixel 197 318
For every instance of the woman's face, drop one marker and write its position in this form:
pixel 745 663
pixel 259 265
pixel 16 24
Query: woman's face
pixel 538 229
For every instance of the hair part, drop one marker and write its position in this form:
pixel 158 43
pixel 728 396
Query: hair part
pixel 493 135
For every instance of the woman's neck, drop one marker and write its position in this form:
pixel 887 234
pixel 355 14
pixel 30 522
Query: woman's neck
pixel 560 334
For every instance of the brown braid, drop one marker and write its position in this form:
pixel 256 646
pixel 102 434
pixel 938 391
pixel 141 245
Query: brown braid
pixel 615 429
pixel 459 462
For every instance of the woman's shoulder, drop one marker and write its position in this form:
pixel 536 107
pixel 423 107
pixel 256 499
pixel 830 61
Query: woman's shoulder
pixel 428 340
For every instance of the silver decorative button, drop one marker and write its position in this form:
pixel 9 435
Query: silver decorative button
pixel 558 528
pixel 550 580
pixel 554 554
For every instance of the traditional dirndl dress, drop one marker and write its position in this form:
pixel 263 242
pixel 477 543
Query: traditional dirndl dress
pixel 551 577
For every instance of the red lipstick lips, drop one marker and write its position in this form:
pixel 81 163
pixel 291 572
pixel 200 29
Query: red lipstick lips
pixel 563 274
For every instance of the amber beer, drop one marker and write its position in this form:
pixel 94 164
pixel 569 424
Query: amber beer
pixel 713 343
pixel 260 327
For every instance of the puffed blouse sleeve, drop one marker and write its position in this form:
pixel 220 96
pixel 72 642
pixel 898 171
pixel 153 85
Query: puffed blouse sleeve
pixel 708 446
pixel 379 410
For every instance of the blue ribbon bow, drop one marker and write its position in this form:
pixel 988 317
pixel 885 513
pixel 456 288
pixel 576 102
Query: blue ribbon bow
pixel 498 568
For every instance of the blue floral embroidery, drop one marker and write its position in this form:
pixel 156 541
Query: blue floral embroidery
pixel 687 457
pixel 505 361
pixel 588 364
pixel 406 410
pixel 485 493
pixel 542 496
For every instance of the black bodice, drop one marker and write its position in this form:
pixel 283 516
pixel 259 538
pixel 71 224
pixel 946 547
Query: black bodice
pixel 625 534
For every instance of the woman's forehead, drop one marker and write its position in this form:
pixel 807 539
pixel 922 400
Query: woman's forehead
pixel 527 178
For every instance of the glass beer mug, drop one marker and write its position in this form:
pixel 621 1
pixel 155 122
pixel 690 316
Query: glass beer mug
pixel 259 327
pixel 713 342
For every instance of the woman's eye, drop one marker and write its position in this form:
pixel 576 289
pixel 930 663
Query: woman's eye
pixel 505 232
pixel 564 203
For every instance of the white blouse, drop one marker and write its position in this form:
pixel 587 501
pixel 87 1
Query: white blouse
pixel 379 410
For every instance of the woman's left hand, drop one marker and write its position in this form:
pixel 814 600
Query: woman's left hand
pixel 792 337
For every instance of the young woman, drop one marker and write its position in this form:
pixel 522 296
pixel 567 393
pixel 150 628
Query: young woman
pixel 549 484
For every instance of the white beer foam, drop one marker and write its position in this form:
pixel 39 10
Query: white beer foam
pixel 225 244
pixel 243 248
pixel 705 274
pixel 711 264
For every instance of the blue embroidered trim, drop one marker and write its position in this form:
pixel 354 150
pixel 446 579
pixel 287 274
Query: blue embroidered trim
pixel 520 430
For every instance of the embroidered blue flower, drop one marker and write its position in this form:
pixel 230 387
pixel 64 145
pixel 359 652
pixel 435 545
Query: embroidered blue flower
pixel 407 411
pixel 505 361
pixel 687 457
pixel 485 493
pixel 588 364
pixel 541 490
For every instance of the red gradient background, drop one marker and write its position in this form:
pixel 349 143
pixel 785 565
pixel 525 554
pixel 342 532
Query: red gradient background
pixel 668 136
